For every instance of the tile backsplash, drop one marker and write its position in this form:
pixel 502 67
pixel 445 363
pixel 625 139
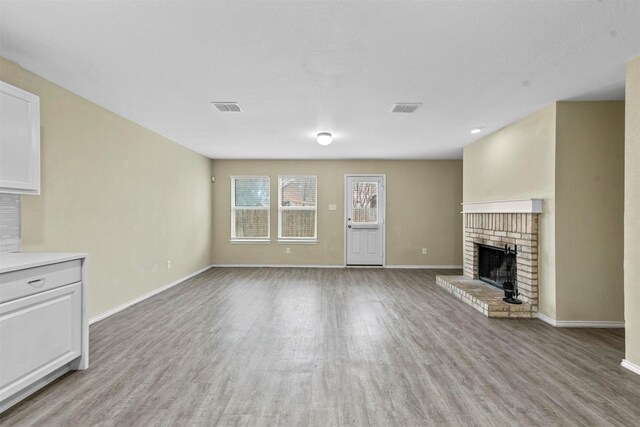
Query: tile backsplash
pixel 9 223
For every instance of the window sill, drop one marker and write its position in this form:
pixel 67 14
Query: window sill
pixel 297 242
pixel 249 242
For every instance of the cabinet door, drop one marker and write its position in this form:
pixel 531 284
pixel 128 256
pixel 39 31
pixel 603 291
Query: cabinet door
pixel 38 334
pixel 19 141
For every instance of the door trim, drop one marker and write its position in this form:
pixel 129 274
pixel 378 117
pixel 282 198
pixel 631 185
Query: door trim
pixel 384 218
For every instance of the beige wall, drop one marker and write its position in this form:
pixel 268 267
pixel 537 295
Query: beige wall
pixel 423 210
pixel 571 155
pixel 589 210
pixel 632 214
pixel 518 162
pixel 127 196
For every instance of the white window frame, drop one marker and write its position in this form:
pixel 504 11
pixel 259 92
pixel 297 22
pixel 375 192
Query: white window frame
pixel 281 209
pixel 235 239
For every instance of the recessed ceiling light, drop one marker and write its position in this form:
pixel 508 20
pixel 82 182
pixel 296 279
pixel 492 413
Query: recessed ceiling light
pixel 476 130
pixel 324 138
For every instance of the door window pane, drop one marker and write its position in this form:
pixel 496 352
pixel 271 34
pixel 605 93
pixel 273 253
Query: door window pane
pixel 364 201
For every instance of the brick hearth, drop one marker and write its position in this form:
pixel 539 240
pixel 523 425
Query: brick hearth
pixel 484 298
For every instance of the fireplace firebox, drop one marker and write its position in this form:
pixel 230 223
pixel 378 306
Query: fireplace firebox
pixel 495 265
pixel 498 267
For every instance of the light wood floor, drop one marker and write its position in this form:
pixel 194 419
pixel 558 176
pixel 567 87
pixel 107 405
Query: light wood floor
pixel 334 347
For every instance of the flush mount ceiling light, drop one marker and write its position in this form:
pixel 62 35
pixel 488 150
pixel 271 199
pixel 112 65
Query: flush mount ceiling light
pixel 324 138
pixel 476 130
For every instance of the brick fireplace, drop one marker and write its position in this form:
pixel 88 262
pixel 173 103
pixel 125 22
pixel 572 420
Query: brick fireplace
pixel 498 230
pixel 513 224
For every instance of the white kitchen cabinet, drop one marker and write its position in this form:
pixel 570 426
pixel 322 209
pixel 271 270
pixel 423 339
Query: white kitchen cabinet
pixel 43 321
pixel 19 141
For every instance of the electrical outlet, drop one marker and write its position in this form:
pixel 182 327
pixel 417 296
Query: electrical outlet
pixel 168 264
pixel 287 250
pixel 333 207
pixel 424 251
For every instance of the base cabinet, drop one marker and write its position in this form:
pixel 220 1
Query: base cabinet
pixel 43 323
pixel 38 333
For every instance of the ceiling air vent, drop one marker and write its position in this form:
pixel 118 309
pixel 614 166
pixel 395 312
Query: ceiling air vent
pixel 227 107
pixel 405 107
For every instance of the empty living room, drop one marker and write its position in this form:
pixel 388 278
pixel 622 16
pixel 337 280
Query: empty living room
pixel 320 213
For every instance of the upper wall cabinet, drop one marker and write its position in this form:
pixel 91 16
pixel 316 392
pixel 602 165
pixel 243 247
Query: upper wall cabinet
pixel 19 141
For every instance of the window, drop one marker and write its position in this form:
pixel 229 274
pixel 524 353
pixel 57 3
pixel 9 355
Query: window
pixel 250 208
pixel 297 208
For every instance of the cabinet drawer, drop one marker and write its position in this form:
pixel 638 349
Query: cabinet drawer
pixel 21 283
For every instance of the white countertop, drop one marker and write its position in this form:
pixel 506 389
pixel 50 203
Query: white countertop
pixel 21 260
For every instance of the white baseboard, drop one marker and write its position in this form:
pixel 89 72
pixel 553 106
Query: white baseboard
pixel 631 366
pixel 580 323
pixel 276 266
pixel 424 267
pixel 141 298
pixel 547 319
pixel 330 266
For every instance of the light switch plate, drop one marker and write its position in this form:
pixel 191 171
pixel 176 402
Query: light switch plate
pixel 333 207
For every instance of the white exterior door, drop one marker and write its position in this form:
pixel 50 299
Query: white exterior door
pixel 365 220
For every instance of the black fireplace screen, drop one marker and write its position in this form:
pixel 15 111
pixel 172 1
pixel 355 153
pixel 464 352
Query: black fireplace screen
pixel 496 266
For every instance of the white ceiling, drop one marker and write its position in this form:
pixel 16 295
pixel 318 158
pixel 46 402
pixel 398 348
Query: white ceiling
pixel 298 68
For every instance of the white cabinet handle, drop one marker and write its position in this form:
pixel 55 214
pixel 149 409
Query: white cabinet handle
pixel 37 282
